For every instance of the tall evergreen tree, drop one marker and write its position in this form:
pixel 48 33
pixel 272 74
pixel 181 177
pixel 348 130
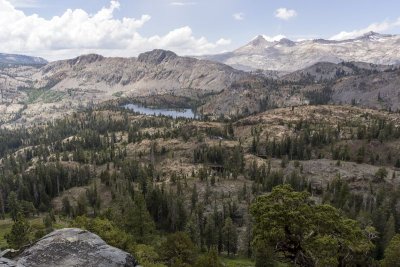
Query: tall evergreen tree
pixel 390 231
pixel 138 219
pixel 20 231
pixel 14 205
pixel 178 250
pixel 392 253
pixel 210 259
pixel 230 237
pixel 81 208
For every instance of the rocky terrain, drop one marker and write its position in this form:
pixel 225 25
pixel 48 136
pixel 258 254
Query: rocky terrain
pixel 31 94
pixel 288 56
pixel 278 153
pixel 327 71
pixel 155 72
pixel 34 94
pixel 355 83
pixel 334 152
pixel 377 90
pixel 71 247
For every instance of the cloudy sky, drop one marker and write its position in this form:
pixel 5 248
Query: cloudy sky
pixel 64 29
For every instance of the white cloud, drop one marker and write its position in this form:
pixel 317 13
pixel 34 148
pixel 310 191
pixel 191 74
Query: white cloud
pixel 223 41
pixel 183 3
pixel 375 27
pixel 24 3
pixel 238 16
pixel 285 14
pixel 76 32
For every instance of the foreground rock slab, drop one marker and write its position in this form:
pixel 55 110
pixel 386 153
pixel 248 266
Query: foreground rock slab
pixel 74 247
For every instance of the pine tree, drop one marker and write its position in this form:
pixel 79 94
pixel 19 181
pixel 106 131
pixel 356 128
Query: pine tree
pixel 360 155
pixel 210 259
pixel 2 206
pixel 248 236
pixel 285 219
pixel 397 164
pixel 19 235
pixel 48 223
pixel 381 174
pixel 14 205
pixel 81 208
pixel 392 253
pixel 194 198
pixel 94 198
pixel 390 231
pixel 230 237
pixel 210 233
pixel 193 230
pixel 178 250
pixel 66 207
pixel 138 219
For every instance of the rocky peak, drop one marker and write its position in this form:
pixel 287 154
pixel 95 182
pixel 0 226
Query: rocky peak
pixel 286 42
pixel 85 59
pixel 324 41
pixel 288 56
pixel 258 41
pixel 157 56
pixel 72 247
pixel 371 35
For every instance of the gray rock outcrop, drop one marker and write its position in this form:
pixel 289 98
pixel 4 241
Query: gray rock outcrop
pixel 8 263
pixel 72 247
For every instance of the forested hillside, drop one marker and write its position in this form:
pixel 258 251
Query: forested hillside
pixel 183 192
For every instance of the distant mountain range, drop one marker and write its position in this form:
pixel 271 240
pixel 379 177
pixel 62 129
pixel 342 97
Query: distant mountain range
pixel 13 59
pixel 67 85
pixel 358 71
pixel 287 56
pixel 277 58
pixel 154 72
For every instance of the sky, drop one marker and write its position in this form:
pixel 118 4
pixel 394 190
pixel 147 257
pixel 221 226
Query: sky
pixel 65 29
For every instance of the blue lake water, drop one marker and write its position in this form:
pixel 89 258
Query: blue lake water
pixel 175 113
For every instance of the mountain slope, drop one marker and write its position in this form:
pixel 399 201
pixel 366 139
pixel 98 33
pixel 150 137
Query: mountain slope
pixel 33 95
pixel 326 71
pixel 69 85
pixel 361 84
pixel 288 56
pixel 13 59
pixel 377 90
pixel 154 72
